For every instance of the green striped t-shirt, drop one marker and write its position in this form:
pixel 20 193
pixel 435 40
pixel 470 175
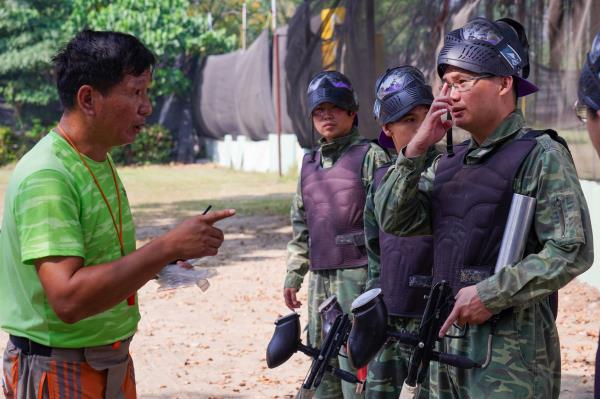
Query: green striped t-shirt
pixel 53 208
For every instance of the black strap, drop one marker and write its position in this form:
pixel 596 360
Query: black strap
pixel 553 135
pixel 29 347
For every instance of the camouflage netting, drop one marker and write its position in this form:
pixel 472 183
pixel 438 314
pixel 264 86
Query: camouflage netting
pixel 362 38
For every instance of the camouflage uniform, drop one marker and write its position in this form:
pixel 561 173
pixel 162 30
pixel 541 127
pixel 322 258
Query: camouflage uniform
pixel 388 370
pixel 526 352
pixel 347 283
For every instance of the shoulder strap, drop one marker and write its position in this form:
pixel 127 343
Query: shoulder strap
pixel 532 134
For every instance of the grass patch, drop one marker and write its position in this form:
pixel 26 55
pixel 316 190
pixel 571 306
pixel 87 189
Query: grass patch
pixel 179 191
pixel 157 184
pixel 271 204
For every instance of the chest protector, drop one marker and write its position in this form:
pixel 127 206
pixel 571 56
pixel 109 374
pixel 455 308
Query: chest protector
pixel 334 201
pixel 406 264
pixel 470 205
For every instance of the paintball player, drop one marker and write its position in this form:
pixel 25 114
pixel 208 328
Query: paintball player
pixel 588 110
pixel 463 200
pixel 327 212
pixel 400 266
pixel 69 269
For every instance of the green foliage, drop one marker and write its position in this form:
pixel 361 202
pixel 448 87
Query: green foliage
pixel 170 28
pixel 13 144
pixel 152 145
pixel 31 32
pixel 227 16
pixel 7 145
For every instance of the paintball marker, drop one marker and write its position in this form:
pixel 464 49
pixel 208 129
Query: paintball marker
pixel 286 341
pixel 370 312
pixel 369 332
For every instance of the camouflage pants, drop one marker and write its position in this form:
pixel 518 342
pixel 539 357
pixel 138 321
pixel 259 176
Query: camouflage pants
pixel 346 285
pixel 525 359
pixel 388 370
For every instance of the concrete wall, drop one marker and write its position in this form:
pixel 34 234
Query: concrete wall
pixel 256 156
pixel 591 190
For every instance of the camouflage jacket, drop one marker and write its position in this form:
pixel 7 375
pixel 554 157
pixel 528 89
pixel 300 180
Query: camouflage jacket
pixel 560 242
pixel 297 262
pixel 372 227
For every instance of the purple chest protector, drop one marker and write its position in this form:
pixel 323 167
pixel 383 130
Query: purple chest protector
pixel 334 201
pixel 406 264
pixel 470 205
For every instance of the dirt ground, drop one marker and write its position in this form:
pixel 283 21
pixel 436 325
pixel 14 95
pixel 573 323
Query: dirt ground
pixel 212 344
pixel 194 344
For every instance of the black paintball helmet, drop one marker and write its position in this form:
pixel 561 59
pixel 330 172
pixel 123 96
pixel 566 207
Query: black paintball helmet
pixel 589 80
pixel 397 92
pixel 498 48
pixel 331 87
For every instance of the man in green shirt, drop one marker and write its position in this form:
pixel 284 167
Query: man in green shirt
pixel 327 209
pixel 69 269
pixel 464 200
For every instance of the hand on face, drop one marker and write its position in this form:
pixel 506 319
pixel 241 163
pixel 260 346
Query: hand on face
pixel 433 127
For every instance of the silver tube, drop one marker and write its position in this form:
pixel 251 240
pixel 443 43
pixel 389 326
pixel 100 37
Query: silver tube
pixel 518 225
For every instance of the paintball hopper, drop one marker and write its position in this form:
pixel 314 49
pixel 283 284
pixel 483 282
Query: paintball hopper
pixel 369 329
pixel 329 310
pixel 285 340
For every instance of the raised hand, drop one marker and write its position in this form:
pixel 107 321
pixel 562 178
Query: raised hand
pixel 433 127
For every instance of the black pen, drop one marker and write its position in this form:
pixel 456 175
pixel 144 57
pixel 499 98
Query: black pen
pixel 207 209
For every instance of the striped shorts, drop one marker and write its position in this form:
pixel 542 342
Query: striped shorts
pixel 68 374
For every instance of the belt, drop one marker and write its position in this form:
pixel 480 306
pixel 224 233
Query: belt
pixel 29 347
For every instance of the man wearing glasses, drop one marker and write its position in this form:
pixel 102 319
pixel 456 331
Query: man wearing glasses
pixel 588 111
pixel 464 198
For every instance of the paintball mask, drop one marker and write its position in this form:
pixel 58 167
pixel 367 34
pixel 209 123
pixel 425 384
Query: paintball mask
pixel 331 87
pixel 397 92
pixel 498 48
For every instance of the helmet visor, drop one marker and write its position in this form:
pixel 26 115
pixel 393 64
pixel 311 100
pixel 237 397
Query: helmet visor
pixel 392 83
pixel 480 30
pixel 327 80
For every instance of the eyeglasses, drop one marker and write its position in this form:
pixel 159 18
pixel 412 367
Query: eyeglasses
pixel 465 84
pixel 581 111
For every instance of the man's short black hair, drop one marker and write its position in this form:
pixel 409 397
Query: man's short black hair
pixel 100 59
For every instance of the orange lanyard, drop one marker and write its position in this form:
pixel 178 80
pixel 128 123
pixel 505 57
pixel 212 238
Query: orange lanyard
pixel 119 227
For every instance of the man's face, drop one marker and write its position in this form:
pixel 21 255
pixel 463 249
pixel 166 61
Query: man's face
pixel 593 127
pixel 403 130
pixel 122 112
pixel 472 108
pixel 331 121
